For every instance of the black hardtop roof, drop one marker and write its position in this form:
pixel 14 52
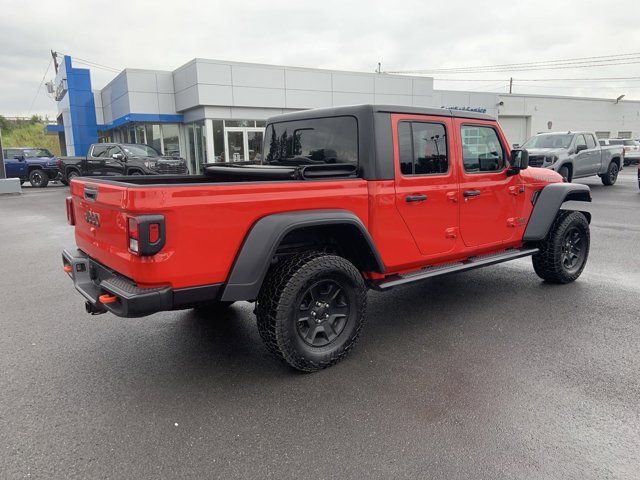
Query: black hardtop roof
pixel 360 110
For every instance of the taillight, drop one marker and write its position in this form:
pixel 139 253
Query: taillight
pixel 145 234
pixel 71 218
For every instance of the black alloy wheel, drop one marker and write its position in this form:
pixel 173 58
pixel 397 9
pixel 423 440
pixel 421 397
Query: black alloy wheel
pixel 573 250
pixel 322 313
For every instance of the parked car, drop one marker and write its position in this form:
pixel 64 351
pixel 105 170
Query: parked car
pixel 110 159
pixel 575 155
pixel 37 165
pixel 631 148
pixel 346 199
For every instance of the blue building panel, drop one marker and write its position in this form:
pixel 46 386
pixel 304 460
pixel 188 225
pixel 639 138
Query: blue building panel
pixel 82 108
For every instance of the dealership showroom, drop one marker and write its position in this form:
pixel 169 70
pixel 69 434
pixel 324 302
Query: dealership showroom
pixel 214 111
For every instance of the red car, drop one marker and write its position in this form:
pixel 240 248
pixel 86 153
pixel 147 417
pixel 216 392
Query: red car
pixel 345 199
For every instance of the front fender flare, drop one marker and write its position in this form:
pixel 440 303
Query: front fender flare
pixel 547 204
pixel 262 240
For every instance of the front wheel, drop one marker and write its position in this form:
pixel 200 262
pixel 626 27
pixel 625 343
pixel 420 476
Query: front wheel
pixel 311 309
pixel 563 254
pixel 38 178
pixel 611 176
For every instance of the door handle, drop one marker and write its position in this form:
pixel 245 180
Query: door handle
pixel 471 193
pixel 415 198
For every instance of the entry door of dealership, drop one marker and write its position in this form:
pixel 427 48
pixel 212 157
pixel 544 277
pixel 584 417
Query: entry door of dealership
pixel 243 144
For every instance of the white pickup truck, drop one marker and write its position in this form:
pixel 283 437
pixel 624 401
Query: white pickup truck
pixel 575 155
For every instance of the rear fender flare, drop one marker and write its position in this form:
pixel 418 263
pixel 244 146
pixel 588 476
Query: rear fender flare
pixel 547 205
pixel 260 245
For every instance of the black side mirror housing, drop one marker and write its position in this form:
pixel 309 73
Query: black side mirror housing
pixel 519 161
pixel 580 148
pixel 20 158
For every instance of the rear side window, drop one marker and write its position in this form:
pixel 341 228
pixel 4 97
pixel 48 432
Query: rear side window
pixel 591 143
pixel 481 149
pixel 313 141
pixel 99 151
pixel 423 148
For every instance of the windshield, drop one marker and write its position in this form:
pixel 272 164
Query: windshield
pixel 140 151
pixel 37 152
pixel 556 140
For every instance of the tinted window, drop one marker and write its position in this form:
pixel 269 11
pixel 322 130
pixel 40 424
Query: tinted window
pixel 591 143
pixel 99 151
pixel 553 140
pixel 313 141
pixel 12 153
pixel 481 149
pixel 423 148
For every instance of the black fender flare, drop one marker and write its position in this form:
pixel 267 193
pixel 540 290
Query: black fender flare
pixel 264 237
pixel 547 204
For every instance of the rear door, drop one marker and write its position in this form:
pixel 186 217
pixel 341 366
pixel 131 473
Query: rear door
pixel 425 185
pixel 487 193
pixel 594 152
pixel 96 159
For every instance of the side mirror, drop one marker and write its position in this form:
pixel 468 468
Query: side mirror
pixel 20 158
pixel 519 161
pixel 117 156
pixel 580 148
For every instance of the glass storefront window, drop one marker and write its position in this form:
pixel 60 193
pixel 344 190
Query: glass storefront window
pixel 154 138
pixel 218 140
pixel 197 146
pixel 239 123
pixel 170 139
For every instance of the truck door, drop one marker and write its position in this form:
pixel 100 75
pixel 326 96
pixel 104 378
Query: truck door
pixel 114 166
pixel 15 165
pixel 595 153
pixel 585 157
pixel 95 162
pixel 487 193
pixel 425 181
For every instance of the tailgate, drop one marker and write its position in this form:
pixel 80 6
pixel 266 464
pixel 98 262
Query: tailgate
pixel 100 211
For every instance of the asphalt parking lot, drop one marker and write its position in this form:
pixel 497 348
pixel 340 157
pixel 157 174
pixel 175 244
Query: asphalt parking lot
pixel 489 374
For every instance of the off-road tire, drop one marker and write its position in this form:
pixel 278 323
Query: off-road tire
pixel 281 299
pixel 38 178
pixel 549 262
pixel 611 176
pixel 565 173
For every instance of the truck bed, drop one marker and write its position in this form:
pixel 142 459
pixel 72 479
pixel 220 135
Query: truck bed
pixel 207 216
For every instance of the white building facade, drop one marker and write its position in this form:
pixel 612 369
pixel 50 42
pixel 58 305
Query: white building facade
pixel 212 111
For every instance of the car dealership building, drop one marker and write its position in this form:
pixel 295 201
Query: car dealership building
pixel 212 111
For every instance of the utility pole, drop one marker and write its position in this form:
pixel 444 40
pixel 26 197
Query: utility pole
pixel 2 172
pixel 379 69
pixel 511 85
pixel 55 60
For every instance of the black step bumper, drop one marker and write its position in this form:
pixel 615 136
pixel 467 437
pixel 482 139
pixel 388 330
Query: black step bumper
pixel 93 280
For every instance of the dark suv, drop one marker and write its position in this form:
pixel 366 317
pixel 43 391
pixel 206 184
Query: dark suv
pixel 111 159
pixel 37 165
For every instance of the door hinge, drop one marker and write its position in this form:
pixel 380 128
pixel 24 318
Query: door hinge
pixel 453 196
pixel 516 221
pixel 516 189
pixel 451 232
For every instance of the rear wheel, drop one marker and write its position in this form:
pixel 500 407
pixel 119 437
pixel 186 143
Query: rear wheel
pixel 38 178
pixel 563 254
pixel 611 176
pixel 71 174
pixel 311 309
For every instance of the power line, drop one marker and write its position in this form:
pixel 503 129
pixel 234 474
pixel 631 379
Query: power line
pixel 40 86
pixel 93 64
pixel 581 62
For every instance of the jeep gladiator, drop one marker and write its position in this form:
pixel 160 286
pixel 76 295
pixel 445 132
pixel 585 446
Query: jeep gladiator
pixel 115 159
pixel 346 199
pixel 575 155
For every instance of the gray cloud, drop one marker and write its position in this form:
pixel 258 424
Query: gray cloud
pixel 403 35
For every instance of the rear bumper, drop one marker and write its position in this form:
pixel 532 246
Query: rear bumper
pixel 108 291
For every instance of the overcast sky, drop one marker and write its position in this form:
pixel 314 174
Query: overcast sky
pixel 402 34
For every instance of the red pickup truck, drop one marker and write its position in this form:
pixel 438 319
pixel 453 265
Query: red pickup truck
pixel 345 199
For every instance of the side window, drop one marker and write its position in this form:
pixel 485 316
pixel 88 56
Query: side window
pixel 112 150
pixel 580 141
pixel 11 153
pixel 423 148
pixel 591 143
pixel 481 149
pixel 99 151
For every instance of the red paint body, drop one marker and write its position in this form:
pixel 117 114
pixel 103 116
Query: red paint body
pixel 207 223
